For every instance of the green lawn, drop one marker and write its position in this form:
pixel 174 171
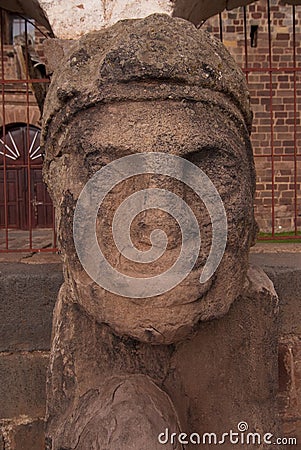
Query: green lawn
pixel 267 237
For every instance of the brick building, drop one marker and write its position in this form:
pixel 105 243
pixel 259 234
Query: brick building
pixel 265 40
pixel 24 201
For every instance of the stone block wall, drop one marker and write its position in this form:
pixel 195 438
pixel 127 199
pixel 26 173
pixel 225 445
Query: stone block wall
pixel 27 296
pixel 285 272
pixel 288 284
pixel 277 121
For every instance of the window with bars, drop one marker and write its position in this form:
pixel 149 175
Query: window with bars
pixel 14 26
pixel 19 27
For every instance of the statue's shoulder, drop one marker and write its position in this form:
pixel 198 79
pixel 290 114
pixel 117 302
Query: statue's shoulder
pixel 258 284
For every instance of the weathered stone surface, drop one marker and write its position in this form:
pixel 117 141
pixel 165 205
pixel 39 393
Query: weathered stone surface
pixel 227 372
pixel 149 86
pixel 158 84
pixel 22 387
pixel 290 377
pixel 71 19
pixel 122 413
pixel 290 387
pixel 224 374
pixel 30 436
pixel 98 353
pixel 27 297
pixel 285 272
pixel 183 61
pixel 284 269
pixel 54 51
pixel 291 429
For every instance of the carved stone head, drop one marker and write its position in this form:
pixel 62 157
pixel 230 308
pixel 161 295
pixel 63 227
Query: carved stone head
pixel 152 85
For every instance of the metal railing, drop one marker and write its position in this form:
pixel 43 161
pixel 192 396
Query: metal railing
pixel 277 161
pixel 26 211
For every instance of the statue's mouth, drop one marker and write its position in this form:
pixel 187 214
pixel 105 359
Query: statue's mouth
pixel 176 289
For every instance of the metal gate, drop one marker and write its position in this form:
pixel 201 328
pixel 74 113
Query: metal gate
pixel 26 211
pixel 20 187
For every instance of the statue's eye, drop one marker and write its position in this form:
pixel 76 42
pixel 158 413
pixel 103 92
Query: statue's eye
pixel 210 157
pixel 203 155
pixel 224 167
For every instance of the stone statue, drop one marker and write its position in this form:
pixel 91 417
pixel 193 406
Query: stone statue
pixel 128 373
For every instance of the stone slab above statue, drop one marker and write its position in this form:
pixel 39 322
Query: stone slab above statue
pixel 70 19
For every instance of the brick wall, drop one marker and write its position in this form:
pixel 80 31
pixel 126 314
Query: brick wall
pixel 277 122
pixel 18 108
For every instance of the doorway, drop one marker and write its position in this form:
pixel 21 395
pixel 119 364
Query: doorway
pixel 24 201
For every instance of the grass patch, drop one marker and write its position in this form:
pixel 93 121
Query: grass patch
pixel 279 238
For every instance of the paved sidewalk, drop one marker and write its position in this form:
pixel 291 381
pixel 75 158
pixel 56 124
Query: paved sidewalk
pixel 266 255
pixel 271 247
pixel 19 239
